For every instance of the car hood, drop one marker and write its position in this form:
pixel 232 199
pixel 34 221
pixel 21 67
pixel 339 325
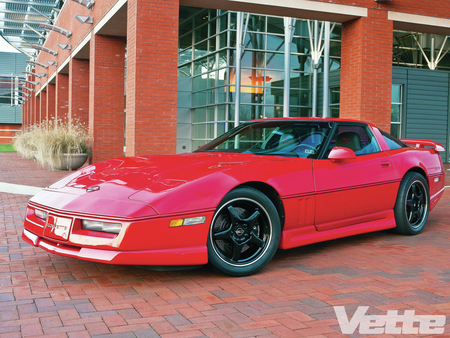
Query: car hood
pixel 132 186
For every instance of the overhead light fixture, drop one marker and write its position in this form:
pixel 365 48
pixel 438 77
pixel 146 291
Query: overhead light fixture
pixel 52 63
pixel 44 49
pixel 64 46
pixel 30 73
pixel 37 63
pixel 26 94
pixel 39 75
pixel 86 3
pixel 30 89
pixel 84 19
pixel 32 82
pixel 56 29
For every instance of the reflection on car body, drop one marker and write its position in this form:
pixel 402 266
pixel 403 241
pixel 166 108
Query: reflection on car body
pixel 267 184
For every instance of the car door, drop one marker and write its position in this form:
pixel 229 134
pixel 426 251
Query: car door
pixel 358 190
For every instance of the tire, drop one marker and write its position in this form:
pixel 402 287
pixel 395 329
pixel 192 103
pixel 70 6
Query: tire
pixel 244 233
pixel 412 206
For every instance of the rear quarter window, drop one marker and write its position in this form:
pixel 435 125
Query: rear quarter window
pixel 392 142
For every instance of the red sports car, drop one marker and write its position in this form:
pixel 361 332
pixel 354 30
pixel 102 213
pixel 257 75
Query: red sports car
pixel 267 184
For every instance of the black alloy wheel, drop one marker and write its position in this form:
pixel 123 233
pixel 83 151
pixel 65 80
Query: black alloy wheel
pixel 413 204
pixel 244 233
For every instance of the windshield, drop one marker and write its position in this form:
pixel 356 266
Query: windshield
pixel 280 138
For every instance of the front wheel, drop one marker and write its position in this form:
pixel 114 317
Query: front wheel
pixel 413 204
pixel 244 233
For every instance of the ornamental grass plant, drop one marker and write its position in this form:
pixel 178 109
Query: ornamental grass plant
pixel 49 142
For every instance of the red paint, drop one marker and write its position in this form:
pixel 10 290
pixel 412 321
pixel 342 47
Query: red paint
pixel 322 199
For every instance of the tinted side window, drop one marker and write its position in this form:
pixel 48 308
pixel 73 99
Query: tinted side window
pixel 358 138
pixel 392 142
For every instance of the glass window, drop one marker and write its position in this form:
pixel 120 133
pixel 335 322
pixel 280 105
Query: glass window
pixel 185 27
pixel 301 80
pixel 335 99
pixel 223 20
pixel 300 45
pixel 255 41
pixel 355 137
pixel 253 59
pixel 201 49
pixel 200 33
pixel 300 97
pixel 280 138
pixel 184 71
pixel 301 28
pixel 396 110
pixel 257 23
pixel 275 25
pixel 199 83
pixel 391 141
pixel 185 41
pixel 199 115
pixel 275 43
pixel 275 60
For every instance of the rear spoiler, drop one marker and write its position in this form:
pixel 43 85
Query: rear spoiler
pixel 423 144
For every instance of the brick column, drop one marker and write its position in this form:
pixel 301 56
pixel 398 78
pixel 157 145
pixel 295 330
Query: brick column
pixel 62 96
pixel 43 108
pixel 51 88
pixel 366 69
pixel 37 110
pixel 106 96
pixel 79 90
pixel 152 40
pixel 24 113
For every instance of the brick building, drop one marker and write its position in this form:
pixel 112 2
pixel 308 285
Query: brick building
pixel 161 76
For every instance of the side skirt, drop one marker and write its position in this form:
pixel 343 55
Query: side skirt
pixel 309 235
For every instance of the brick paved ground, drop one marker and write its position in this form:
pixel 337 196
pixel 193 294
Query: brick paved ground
pixel 45 294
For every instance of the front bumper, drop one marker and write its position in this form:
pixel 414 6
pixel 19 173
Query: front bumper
pixel 141 242
pixel 166 257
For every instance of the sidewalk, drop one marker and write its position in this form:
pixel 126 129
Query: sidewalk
pixel 45 294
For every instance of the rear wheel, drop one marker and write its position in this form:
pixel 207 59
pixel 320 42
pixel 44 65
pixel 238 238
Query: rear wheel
pixel 244 233
pixel 413 204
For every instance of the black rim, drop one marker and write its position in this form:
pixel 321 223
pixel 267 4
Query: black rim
pixel 416 204
pixel 241 232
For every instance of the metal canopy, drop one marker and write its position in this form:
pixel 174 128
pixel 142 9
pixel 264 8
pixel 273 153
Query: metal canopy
pixel 20 20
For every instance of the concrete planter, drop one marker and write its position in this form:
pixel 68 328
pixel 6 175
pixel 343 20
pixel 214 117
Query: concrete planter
pixel 71 161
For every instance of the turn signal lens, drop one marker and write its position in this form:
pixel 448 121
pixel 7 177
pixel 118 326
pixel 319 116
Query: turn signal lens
pixel 113 228
pixel 176 223
pixel 41 214
pixel 187 221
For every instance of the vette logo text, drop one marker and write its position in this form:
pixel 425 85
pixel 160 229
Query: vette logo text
pixel 390 323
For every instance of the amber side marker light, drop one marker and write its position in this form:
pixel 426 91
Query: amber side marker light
pixel 187 221
pixel 40 214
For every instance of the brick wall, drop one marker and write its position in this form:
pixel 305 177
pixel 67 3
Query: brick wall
pixel 7 132
pixel 62 96
pixel 106 103
pixel 366 69
pixel 152 62
pixel 50 102
pixel 79 90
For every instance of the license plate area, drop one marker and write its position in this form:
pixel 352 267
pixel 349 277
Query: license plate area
pixel 58 227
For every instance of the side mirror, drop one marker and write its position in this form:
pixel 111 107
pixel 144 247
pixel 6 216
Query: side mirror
pixel 340 153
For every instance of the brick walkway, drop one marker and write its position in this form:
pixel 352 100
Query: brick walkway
pixel 45 294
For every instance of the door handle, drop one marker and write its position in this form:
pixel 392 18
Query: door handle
pixel 385 164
